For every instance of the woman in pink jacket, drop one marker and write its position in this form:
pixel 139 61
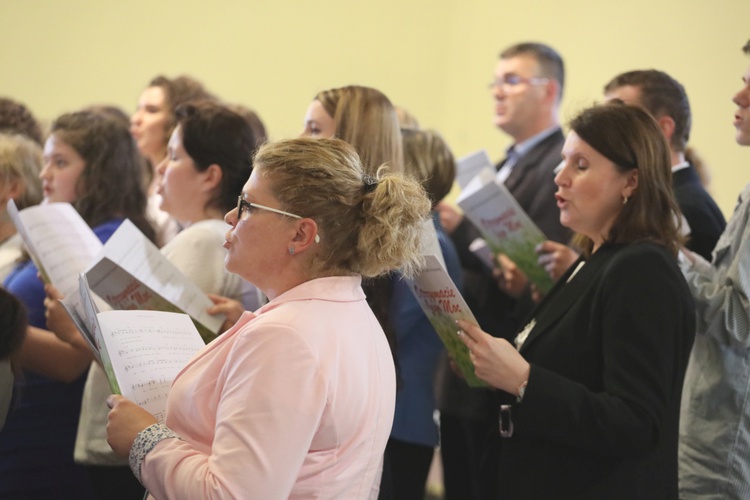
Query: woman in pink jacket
pixel 297 399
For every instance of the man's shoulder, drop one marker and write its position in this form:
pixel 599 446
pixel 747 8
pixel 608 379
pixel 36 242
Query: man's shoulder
pixel 545 155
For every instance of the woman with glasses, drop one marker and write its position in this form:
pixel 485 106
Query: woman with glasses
pixel 593 382
pixel 91 162
pixel 295 400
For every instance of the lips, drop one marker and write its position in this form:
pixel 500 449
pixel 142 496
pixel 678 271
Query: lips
pixel 561 202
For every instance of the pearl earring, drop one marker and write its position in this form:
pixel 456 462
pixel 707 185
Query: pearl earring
pixel 291 250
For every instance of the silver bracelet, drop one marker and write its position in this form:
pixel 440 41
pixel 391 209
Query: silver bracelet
pixel 145 442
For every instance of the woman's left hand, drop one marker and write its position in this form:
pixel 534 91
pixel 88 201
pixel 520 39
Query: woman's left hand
pixel 495 360
pixel 126 419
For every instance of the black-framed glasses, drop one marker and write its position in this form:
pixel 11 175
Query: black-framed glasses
pixel 509 81
pixel 244 206
pixel 243 209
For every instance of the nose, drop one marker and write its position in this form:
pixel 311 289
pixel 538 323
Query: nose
pixel 162 166
pixel 561 177
pixel 45 172
pixel 231 217
pixel 742 98
pixel 497 91
pixel 135 118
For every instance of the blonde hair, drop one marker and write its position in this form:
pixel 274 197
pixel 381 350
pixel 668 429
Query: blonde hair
pixel 21 161
pixel 367 120
pixel 430 161
pixel 406 119
pixel 367 226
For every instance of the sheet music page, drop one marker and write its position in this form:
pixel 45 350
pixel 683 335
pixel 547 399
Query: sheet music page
pixel 147 350
pixel 61 243
pixel 131 273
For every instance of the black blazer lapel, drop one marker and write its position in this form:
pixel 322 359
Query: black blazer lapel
pixel 563 296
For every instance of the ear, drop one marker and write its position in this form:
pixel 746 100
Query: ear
pixel 666 124
pixel 12 190
pixel 212 177
pixel 306 236
pixel 552 90
pixel 631 183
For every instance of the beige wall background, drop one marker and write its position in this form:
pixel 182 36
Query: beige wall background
pixel 433 57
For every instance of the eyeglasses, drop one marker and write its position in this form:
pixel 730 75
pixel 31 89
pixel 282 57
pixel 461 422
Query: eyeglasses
pixel 243 209
pixel 509 81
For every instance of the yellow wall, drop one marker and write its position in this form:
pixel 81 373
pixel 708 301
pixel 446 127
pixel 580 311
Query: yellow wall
pixel 432 57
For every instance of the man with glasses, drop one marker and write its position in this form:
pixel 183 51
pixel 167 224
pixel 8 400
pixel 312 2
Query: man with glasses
pixel 526 89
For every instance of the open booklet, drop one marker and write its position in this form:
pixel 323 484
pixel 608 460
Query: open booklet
pixel 60 243
pixel 128 272
pixel 141 351
pixel 505 225
pixel 442 302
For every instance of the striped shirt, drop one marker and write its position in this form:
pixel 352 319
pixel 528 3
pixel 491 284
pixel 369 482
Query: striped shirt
pixel 714 453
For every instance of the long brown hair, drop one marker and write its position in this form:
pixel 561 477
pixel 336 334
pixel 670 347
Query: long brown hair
pixel 111 183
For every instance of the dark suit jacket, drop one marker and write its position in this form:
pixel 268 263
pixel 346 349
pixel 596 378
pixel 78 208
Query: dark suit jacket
pixel 599 418
pixel 704 217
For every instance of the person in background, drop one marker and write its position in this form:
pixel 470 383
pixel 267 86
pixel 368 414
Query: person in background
pixel 15 118
pixel 209 159
pixel 252 119
pixel 406 119
pixel 291 402
pixel 20 164
pixel 91 162
pixel 526 89
pixel 665 99
pixel 714 436
pixel 592 385
pixel 152 124
pixel 414 436
pixel 365 118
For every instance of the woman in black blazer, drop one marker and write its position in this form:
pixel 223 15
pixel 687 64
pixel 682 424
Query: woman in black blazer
pixel 595 378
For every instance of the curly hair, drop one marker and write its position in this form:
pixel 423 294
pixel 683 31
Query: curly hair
pixel 368 226
pixel 21 161
pixel 15 118
pixel 111 183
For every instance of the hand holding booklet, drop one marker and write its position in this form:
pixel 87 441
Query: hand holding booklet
pixel 141 351
pixel 505 226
